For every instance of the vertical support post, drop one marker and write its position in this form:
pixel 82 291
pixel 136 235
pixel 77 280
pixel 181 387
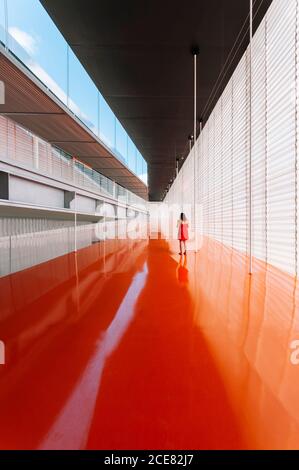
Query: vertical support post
pixel 10 255
pixel 250 135
pixel 200 221
pixel 194 146
pixel 104 243
pixel 68 76
pixel 75 222
pixel 99 114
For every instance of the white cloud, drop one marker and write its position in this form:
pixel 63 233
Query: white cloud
pixel 47 80
pixel 28 42
pixel 143 178
pixel 55 88
pixel 30 45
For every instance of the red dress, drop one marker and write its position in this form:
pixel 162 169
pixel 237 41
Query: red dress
pixel 183 232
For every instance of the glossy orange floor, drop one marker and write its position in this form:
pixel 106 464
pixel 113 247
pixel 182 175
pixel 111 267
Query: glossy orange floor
pixel 123 346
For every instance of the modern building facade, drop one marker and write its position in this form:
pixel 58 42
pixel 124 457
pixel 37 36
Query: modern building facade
pixel 109 337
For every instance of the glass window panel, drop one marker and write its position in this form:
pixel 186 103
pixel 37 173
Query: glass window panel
pixel 144 171
pixel 35 40
pixel 2 22
pixel 121 142
pixel 131 155
pixel 139 164
pixel 83 94
pixel 107 124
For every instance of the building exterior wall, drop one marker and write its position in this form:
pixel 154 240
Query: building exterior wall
pixel 247 153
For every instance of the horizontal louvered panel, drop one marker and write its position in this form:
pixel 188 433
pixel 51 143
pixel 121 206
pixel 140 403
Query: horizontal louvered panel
pixel 223 148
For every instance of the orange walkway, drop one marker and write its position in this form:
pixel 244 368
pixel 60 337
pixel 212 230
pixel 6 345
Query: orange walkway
pixel 122 346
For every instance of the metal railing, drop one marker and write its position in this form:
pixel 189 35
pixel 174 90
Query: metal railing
pixel 21 146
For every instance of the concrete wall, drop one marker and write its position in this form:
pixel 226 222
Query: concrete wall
pixel 22 190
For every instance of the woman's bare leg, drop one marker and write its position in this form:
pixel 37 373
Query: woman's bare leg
pixel 180 247
pixel 184 247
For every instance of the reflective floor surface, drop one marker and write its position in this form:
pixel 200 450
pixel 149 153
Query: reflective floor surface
pixel 125 345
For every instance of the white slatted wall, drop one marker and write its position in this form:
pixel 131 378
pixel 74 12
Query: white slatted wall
pixel 259 144
pixel 281 114
pixel 223 149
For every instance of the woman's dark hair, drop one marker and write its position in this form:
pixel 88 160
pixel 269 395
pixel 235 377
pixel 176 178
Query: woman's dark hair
pixel 183 217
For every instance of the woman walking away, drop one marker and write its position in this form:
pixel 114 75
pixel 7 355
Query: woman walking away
pixel 183 232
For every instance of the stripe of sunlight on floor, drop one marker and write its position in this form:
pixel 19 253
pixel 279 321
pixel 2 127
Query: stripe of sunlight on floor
pixel 160 388
pixel 59 321
pixel 126 345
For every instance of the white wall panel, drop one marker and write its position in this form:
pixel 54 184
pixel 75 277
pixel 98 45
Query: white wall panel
pixel 281 125
pixel 227 165
pixel 223 149
pixel 259 143
pixel 24 190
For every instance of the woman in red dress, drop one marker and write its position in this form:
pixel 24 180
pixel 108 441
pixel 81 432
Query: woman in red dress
pixel 183 232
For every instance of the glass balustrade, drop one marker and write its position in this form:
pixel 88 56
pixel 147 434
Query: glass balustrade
pixel 29 33
pixel 2 21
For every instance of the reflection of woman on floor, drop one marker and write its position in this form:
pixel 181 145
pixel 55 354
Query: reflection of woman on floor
pixel 183 232
pixel 182 271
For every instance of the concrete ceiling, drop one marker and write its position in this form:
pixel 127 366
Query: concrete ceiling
pixel 138 54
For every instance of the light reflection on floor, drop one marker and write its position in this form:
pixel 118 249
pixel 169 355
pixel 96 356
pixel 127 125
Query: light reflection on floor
pixel 126 346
